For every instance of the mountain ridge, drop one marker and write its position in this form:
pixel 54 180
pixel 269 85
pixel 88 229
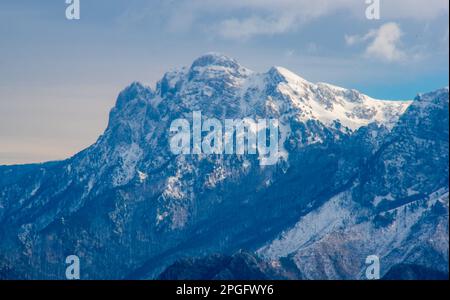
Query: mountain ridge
pixel 127 205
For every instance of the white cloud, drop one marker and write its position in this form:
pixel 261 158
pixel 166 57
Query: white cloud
pixel 275 17
pixel 385 43
pixel 237 19
pixel 351 39
pixel 270 17
pixel 356 39
pixel 243 29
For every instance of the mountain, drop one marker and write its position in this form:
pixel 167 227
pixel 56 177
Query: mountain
pixel 239 266
pixel 354 176
pixel 396 208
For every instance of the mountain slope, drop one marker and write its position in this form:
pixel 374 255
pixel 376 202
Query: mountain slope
pixel 129 208
pixel 239 266
pixel 397 208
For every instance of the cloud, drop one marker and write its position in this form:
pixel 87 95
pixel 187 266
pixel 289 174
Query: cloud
pixel 274 17
pixel 384 43
pixel 236 19
pixel 351 40
pixel 414 9
pixel 252 26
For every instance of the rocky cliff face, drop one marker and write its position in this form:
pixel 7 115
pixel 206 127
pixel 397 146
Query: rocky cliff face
pixel 396 207
pixel 352 169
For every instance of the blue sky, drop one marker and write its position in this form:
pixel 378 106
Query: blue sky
pixel 59 78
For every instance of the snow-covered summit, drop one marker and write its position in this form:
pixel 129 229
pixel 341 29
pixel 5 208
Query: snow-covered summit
pixel 328 103
pixel 215 59
pixel 215 78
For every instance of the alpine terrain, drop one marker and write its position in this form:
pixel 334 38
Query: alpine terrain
pixel 355 177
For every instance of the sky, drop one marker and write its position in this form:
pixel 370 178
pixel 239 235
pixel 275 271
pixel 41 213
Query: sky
pixel 59 78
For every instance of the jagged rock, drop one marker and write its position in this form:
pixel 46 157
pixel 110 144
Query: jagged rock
pixel 351 166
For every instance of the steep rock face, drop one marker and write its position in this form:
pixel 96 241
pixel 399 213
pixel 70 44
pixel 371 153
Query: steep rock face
pixel 396 207
pixel 128 207
pixel 413 160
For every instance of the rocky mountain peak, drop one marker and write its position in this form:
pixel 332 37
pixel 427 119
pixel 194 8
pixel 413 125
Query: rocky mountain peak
pixel 215 59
